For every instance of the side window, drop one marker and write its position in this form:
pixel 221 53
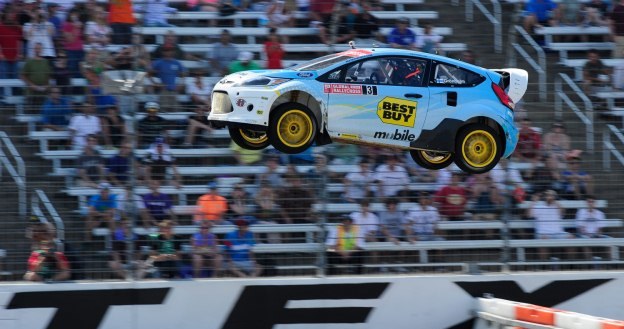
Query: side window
pixel 333 76
pixel 453 76
pixel 404 71
pixel 365 72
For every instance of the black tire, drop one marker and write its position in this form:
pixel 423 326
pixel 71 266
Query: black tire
pixel 292 128
pixel 478 149
pixel 249 139
pixel 432 160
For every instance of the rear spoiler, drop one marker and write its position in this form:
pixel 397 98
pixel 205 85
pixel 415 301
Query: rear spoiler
pixel 514 82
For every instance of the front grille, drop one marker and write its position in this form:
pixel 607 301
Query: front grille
pixel 221 103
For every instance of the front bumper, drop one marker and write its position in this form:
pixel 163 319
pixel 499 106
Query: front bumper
pixel 243 105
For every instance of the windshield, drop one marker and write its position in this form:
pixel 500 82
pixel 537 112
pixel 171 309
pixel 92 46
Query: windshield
pixel 320 63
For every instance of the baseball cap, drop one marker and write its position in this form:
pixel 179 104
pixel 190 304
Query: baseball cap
pixel 104 186
pixel 152 106
pixel 241 222
pixel 245 56
pixel 212 185
pixel 403 20
pixel 159 140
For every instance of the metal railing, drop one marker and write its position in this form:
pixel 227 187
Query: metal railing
pixel 18 174
pixel 609 149
pixel 539 66
pixel 586 115
pixel 495 19
pixel 40 198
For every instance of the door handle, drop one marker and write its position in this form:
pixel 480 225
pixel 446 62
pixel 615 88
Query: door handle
pixel 413 95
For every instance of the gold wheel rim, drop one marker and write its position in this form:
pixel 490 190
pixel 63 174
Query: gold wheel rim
pixel 435 157
pixel 252 136
pixel 294 128
pixel 479 148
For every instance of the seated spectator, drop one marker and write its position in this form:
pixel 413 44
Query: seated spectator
pixel 345 246
pixel 170 42
pixel 95 95
pixel 392 222
pixel 238 250
pixel 156 162
pixel 539 13
pixel 135 57
pixel 118 167
pixel 47 264
pixel 83 125
pixel 36 74
pixel 122 265
pixel 296 201
pixel 271 176
pixel 529 143
pixel 151 126
pixel 10 46
pixel 211 206
pixel 548 216
pixel 555 147
pixel 343 154
pixel 244 62
pixel 97 32
pixel 366 28
pixel 245 157
pixel 56 111
pixel 73 44
pixel 199 89
pixel 273 50
pixel 422 220
pixel 93 65
pixel 452 199
pixel 90 165
pixel 507 178
pixel 596 13
pixel 166 254
pixel 267 209
pixel 167 70
pixel 589 223
pixel 156 207
pixel 429 41
pixel 577 183
pixel 40 31
pixel 121 19
pixel 319 176
pixel 392 179
pixel 205 251
pixel 198 126
pixel 402 36
pixel 569 13
pixel 113 127
pixel 222 54
pixel 366 221
pixel 240 205
pixel 596 75
pixel 155 13
pixel 488 200
pixel 102 210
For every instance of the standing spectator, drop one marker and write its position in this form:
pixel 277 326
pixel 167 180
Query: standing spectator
pixel 205 250
pixel 157 160
pixel 121 19
pixel 595 73
pixel 53 18
pixel 321 13
pixel 222 54
pixel 529 143
pixel 10 46
pixel 366 28
pixel 238 245
pixel 392 179
pixel 539 13
pixel 402 36
pixel 135 57
pixel 273 50
pixel 429 41
pixel 199 88
pixel 198 126
pixel 589 223
pixel 36 74
pixel 392 222
pixel 296 201
pixel 156 206
pixel 62 75
pixel 155 13
pixel 47 264
pixel 97 32
pixel 167 70
pixel 113 127
pixel 170 42
pixel 452 199
pixel 367 221
pixel 56 111
pixel 40 32
pixel 83 125
pixel 151 126
pixel 345 246
pixel 422 220
pixel 359 184
pixel 102 209
pixel 577 183
pixel 556 146
pixel 92 67
pixel 166 253
pixel 211 206
pixel 616 24
pixel 73 42
pixel 244 62
pixel 118 166
pixel 548 216
pixel 90 164
pixel 280 13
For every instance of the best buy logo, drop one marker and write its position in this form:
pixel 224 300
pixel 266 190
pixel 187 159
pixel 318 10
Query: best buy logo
pixel 396 111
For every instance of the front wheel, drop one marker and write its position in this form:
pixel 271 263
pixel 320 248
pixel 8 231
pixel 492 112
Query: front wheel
pixel 431 160
pixel 292 128
pixel 249 139
pixel 477 149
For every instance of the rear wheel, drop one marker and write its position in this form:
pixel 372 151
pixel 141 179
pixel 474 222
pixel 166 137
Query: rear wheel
pixel 477 149
pixel 292 128
pixel 249 139
pixel 431 160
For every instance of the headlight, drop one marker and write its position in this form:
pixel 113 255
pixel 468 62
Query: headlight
pixel 262 81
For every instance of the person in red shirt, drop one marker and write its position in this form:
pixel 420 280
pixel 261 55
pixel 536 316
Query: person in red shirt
pixel 451 199
pixel 529 142
pixel 273 50
pixel 47 264
pixel 10 46
pixel 121 19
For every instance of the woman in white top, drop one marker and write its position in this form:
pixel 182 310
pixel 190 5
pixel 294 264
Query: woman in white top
pixel 40 31
pixel 97 31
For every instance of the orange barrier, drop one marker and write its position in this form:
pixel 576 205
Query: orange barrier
pixel 535 314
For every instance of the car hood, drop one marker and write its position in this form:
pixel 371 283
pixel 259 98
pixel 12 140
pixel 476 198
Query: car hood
pixel 285 74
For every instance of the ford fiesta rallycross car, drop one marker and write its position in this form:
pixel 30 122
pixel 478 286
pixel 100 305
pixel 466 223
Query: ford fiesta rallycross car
pixel 441 110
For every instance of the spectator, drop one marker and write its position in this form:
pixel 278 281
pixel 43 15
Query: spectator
pixel 345 246
pixel 244 62
pixel 273 50
pixel 266 204
pixel 157 160
pixel 167 70
pixel 280 13
pixel 271 176
pixel 340 28
pixel 556 146
pixel 392 222
pixel 151 126
pixel 97 32
pixel 198 126
pixel 569 13
pixel 157 206
pixel 113 127
pixel 245 157
pixel 166 255
pixel 320 175
pixel 589 223
pixel 62 75
pixel 102 209
pixel 211 206
pixel 83 125
pixel 240 205
pixel 366 221
pixel 295 201
pixel 53 18
pixel 402 36
pixel 121 19
pixel 468 56
pixel 616 24
pixel 40 32
pixel 134 57
pixel 121 262
pixel 90 164
pixel 205 251
pixel 429 41
pixel 539 13
pixel 506 176
pixel 596 13
pixel 171 43
pixel 199 88
pixel 366 28
pixel 47 264
pixel 422 220
pixel 36 74
pixel 392 179
pixel 452 199
pixel 93 66
pixel 595 73
pixel 155 13
pixel 10 46
pixel 548 216
pixel 118 167
pixel 488 200
pixel 238 245
pixel 577 183
pixel 223 53
pixel 321 14
pixel 343 154
pixel 56 111
pixel 529 143
pixel 73 42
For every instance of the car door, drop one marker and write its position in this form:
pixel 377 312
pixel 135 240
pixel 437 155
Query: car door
pixel 380 99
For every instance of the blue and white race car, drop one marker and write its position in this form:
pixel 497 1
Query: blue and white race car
pixel 441 110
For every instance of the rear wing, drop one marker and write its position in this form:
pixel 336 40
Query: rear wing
pixel 514 81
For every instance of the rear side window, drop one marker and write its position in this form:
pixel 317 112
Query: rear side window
pixel 448 75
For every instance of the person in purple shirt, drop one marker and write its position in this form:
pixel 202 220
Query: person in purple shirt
pixel 158 206
pixel 402 36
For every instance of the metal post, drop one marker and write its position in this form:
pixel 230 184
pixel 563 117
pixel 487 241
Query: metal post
pixel 469 11
pixel 321 270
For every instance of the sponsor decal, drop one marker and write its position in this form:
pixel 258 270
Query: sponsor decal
pixel 347 89
pixel 264 98
pixel 240 102
pixel 349 136
pixel 304 74
pixel 260 112
pixel 396 111
pixel 356 52
pixel 450 81
pixel 402 135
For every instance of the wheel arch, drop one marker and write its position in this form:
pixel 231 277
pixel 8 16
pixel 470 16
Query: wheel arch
pixel 492 124
pixel 304 98
pixel 430 139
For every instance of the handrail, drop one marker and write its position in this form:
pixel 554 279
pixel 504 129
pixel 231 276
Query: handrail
pixel 18 175
pixel 586 116
pixel 539 66
pixel 495 19
pixel 39 196
pixel 608 148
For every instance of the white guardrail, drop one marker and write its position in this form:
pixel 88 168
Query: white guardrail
pixel 585 112
pixel 18 174
pixel 495 19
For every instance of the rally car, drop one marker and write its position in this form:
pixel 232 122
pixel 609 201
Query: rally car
pixel 440 109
